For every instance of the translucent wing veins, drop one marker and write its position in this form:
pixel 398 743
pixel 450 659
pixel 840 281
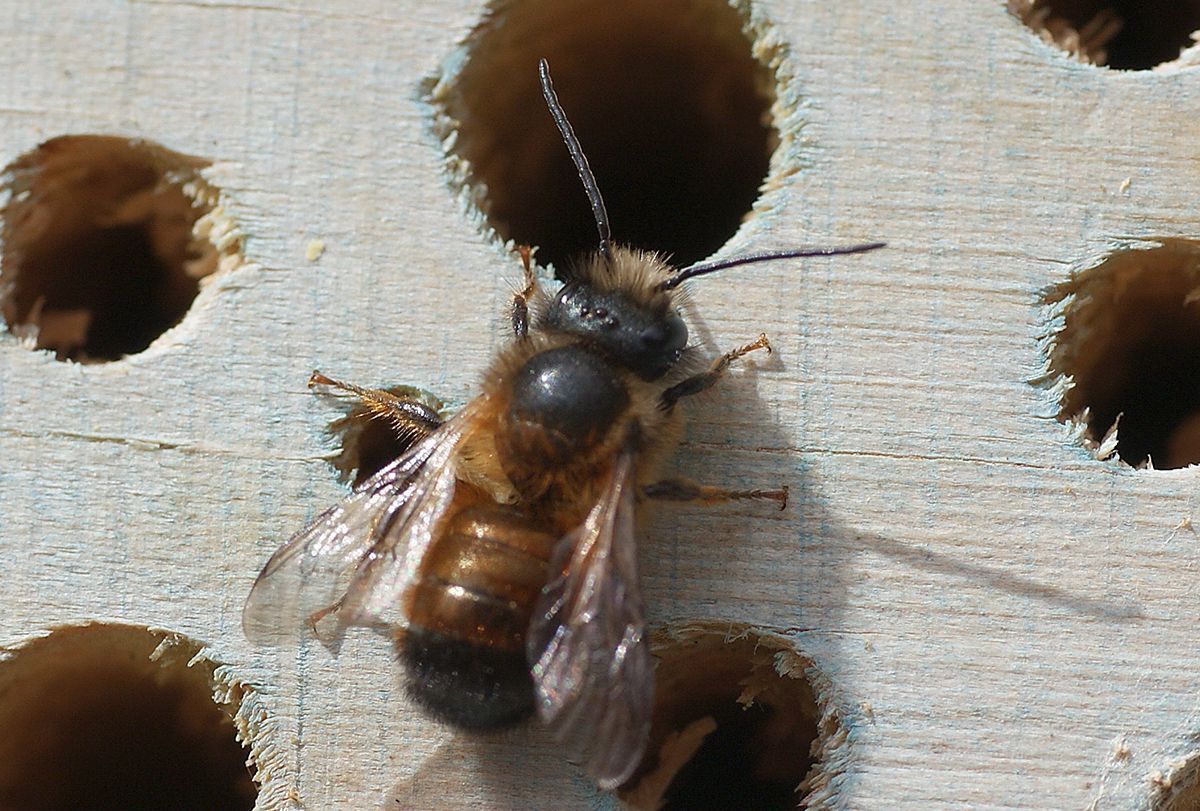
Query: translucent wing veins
pixel 592 673
pixel 363 553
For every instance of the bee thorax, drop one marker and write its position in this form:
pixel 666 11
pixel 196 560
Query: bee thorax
pixel 564 403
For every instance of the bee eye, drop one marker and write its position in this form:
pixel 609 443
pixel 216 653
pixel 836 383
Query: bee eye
pixel 667 335
pixel 654 336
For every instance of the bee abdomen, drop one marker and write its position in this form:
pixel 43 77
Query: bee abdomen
pixel 465 652
pixel 465 683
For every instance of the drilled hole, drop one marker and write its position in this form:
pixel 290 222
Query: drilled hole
pixel 369 441
pixel 670 105
pixel 1127 354
pixel 1125 35
pixel 105 242
pixel 117 717
pixel 1178 789
pixel 736 724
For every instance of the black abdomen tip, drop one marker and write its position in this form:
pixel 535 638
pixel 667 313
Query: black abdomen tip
pixel 465 683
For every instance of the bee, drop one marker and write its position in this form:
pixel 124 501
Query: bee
pixel 499 549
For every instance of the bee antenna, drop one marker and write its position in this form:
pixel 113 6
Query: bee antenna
pixel 692 271
pixel 577 156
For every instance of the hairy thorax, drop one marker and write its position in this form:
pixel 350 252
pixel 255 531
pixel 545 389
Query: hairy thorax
pixel 558 413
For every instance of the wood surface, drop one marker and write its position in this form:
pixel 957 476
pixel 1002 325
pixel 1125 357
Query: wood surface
pixel 1001 619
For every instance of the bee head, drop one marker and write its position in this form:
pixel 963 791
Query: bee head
pixel 617 304
pixel 623 301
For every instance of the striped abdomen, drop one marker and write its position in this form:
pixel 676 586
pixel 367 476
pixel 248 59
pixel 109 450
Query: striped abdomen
pixel 465 647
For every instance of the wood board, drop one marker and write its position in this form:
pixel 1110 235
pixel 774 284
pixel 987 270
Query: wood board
pixel 1003 619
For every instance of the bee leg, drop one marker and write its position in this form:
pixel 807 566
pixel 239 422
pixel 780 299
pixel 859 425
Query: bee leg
pixel 698 383
pixel 412 419
pixel 313 621
pixel 520 305
pixel 687 490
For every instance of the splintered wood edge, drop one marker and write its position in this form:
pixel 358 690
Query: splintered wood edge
pixel 769 658
pixel 790 150
pixel 269 762
pixel 185 191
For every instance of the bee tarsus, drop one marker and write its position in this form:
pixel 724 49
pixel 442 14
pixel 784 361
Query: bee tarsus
pixel 411 419
pixel 520 306
pixel 698 383
pixel 687 490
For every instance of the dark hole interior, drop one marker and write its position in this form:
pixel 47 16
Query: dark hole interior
pixel 369 442
pixel 724 774
pixel 99 257
pixel 1154 31
pixel 96 725
pixel 671 109
pixel 761 726
pixel 1183 791
pixel 378 446
pixel 1127 34
pixel 1159 390
pixel 1131 341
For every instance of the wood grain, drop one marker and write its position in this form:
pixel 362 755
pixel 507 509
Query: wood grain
pixel 1018 616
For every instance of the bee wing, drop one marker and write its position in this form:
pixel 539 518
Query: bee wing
pixel 366 549
pixel 591 666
